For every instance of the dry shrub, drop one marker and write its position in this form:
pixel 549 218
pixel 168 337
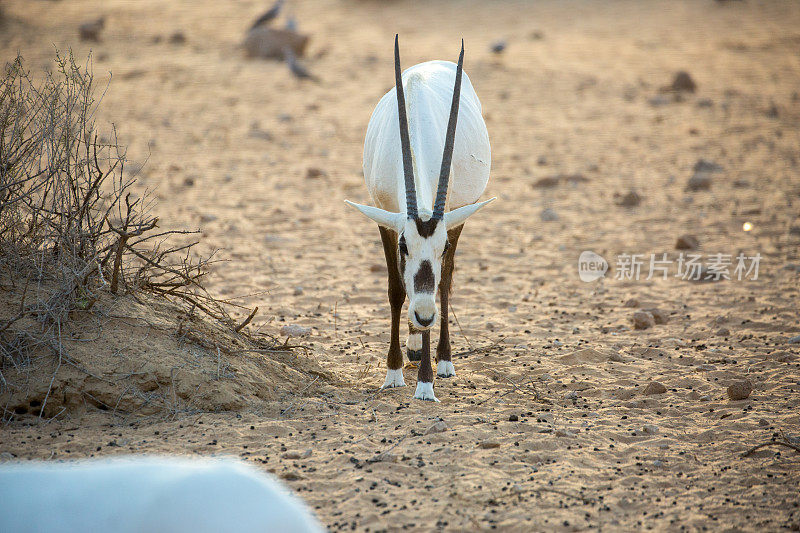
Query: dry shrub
pixel 75 241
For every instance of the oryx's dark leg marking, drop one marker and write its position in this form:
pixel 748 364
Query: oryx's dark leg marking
pixel 425 374
pixel 414 355
pixel 397 295
pixel 448 264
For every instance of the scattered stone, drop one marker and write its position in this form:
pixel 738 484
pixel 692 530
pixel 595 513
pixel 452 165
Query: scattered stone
pixel 763 422
pixel 177 38
pixel 383 457
pixel 498 47
pixel 293 330
pixel 513 418
pixel 271 43
pixel 90 31
pixel 298 291
pixel 643 320
pixel 298 455
pixel 632 199
pixel 659 316
pixel 564 433
pixel 291 476
pixel 313 173
pixel 489 444
pixel 704 165
pixel 723 332
pixel 687 242
pixel 700 181
pixel 548 215
pixel 616 357
pixel 571 395
pixel 650 429
pixel 633 302
pixel 658 462
pixel 654 387
pixel 438 427
pixel 794 340
pixel 740 390
pixel 682 82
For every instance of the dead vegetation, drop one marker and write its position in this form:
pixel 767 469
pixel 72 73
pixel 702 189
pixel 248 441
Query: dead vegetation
pixel 85 270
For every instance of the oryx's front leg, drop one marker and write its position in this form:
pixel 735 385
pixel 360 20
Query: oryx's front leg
pixel 425 375
pixel 397 295
pixel 444 366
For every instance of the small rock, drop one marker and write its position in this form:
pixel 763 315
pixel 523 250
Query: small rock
pixel 659 316
pixel 90 31
pixel 633 302
pixel 208 218
pixel 794 340
pixel 293 330
pixel 498 47
pixel 298 455
pixel 683 82
pixel 384 457
pixel 315 173
pixel 658 462
pixel 438 427
pixel 177 38
pixel 643 320
pixel 687 242
pixel 654 387
pixel 632 199
pixel 291 476
pixel 564 433
pixel 298 291
pixel 723 332
pixel 548 215
pixel 704 165
pixel 650 429
pixel 616 357
pixel 763 422
pixel 740 390
pixel 513 418
pixel 700 181
pixel 489 444
pixel 571 395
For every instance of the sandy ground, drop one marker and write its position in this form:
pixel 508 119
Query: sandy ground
pixel 549 424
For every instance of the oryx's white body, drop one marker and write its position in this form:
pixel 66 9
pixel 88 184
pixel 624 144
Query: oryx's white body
pixel 428 90
pixel 426 163
pixel 157 494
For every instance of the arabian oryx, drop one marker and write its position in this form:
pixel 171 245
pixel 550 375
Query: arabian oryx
pixel 408 153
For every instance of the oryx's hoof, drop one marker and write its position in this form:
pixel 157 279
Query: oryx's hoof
pixel 414 355
pixel 425 392
pixel 445 369
pixel 394 378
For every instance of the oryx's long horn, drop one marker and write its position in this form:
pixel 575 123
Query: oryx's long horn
pixel 449 141
pixel 408 169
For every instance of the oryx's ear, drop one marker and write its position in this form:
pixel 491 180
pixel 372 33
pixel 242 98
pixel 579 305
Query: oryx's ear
pixel 456 217
pixel 387 219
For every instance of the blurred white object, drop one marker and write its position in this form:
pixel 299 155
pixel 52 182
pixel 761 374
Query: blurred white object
pixel 147 494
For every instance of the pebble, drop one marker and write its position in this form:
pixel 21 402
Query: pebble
pixel 498 47
pixel 631 199
pixel 548 215
pixel 513 418
pixel 177 38
pixel 438 427
pixel 633 302
pixel 723 332
pixel 654 387
pixel 650 429
pixel 298 455
pixel 687 242
pixel 683 82
pixel 740 390
pixel 659 316
pixel 489 444
pixel 298 291
pixel 700 181
pixel 794 340
pixel 571 395
pixel 315 173
pixel 564 433
pixel 705 165
pixel 90 31
pixel 658 462
pixel 643 320
pixel 293 330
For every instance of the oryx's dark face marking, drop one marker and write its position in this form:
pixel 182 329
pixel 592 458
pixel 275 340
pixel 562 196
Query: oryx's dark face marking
pixel 420 248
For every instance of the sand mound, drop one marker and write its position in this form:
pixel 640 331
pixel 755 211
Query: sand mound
pixel 146 357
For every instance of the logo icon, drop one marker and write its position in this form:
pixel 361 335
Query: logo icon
pixel 591 266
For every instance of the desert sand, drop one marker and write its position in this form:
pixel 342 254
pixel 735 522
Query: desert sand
pixel 553 422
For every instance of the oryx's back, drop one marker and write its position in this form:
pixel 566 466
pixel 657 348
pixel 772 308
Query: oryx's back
pixel 429 91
